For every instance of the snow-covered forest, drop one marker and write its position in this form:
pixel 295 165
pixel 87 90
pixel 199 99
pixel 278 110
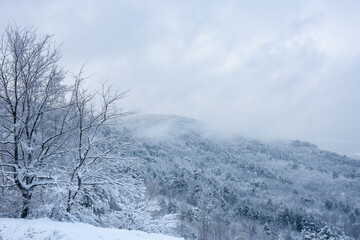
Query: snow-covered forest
pixel 59 150
pixel 72 154
pixel 238 188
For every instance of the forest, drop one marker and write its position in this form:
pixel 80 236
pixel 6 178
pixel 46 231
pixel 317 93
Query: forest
pixel 72 154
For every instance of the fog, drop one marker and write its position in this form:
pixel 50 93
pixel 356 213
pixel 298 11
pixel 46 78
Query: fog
pixel 262 70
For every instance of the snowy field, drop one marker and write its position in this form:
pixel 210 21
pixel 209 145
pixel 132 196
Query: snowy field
pixel 46 229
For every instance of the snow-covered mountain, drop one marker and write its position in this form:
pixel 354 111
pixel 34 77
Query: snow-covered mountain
pixel 208 187
pixel 46 229
pixel 228 187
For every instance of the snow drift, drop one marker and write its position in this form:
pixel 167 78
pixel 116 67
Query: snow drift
pixel 41 229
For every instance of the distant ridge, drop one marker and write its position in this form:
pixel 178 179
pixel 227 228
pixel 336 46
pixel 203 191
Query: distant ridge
pixel 288 186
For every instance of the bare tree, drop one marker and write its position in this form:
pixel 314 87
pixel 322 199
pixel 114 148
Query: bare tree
pixel 59 146
pixel 32 110
pixel 95 142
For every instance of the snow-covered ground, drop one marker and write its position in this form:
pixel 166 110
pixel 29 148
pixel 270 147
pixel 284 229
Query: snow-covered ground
pixel 46 229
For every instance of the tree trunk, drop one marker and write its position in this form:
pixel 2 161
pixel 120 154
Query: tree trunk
pixel 27 197
pixel 72 195
pixel 69 202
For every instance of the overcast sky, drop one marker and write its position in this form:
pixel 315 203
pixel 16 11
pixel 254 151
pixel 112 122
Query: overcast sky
pixel 264 69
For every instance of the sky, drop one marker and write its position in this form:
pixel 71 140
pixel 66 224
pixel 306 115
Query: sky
pixel 262 69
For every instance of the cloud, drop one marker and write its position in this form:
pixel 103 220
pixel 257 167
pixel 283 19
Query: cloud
pixel 265 70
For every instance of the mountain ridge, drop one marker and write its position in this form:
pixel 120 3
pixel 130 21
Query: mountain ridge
pixel 286 185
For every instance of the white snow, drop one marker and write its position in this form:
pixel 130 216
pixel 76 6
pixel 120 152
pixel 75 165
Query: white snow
pixel 46 229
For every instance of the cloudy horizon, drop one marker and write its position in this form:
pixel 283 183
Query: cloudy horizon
pixel 263 70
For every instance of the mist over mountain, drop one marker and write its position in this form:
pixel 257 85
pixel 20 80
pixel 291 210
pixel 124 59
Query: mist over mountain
pixel 73 151
pixel 223 188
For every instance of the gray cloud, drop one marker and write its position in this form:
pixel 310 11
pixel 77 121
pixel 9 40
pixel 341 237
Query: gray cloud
pixel 264 70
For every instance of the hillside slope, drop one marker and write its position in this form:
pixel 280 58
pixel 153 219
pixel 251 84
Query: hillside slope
pixel 223 188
